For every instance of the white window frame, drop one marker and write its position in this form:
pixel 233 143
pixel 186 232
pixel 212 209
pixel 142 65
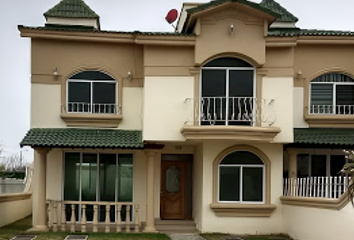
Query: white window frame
pixel 241 166
pixel 227 69
pixel 91 94
pixel 334 96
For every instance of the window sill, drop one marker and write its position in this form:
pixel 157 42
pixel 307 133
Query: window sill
pixel 91 120
pixel 327 203
pixel 317 120
pixel 242 210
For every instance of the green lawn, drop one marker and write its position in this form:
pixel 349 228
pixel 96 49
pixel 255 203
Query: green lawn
pixel 21 226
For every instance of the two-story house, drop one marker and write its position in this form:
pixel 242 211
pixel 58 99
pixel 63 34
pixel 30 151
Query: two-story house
pixel 200 125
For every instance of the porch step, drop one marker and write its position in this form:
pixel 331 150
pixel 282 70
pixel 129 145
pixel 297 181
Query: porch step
pixel 176 226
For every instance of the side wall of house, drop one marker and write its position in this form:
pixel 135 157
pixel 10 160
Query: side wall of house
pixel 304 223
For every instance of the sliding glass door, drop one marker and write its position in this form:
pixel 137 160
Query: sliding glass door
pixel 98 177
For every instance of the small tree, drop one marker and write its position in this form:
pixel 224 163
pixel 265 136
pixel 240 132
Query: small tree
pixel 14 163
pixel 348 169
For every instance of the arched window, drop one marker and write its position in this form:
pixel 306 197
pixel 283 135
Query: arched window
pixel 332 93
pixel 91 92
pixel 227 95
pixel 241 178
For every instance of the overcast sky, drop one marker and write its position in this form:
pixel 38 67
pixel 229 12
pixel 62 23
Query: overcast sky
pixel 125 15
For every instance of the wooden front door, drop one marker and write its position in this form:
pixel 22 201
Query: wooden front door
pixel 173 190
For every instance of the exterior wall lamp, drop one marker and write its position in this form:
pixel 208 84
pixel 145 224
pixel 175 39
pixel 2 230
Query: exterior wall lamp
pixel 232 29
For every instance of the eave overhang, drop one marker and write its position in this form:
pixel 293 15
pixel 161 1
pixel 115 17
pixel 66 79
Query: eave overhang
pixel 164 39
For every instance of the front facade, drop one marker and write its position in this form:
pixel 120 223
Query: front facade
pixel 202 124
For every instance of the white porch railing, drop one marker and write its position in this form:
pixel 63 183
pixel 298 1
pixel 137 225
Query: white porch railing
pixel 230 110
pixel 59 208
pixel 332 109
pixel 80 107
pixel 326 187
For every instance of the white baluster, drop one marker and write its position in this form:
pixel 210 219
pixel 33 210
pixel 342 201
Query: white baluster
pixel 63 218
pixel 95 218
pixel 119 207
pixel 108 221
pixel 335 187
pixel 55 217
pixel 127 219
pixel 83 218
pixel 327 188
pixel 136 218
pixel 73 218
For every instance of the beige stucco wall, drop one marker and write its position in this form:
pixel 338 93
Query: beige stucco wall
pixel 46 107
pixel 304 223
pixel 14 210
pixel 242 225
pixel 281 90
pixel 198 186
pixel 298 106
pixel 165 110
pixel 215 38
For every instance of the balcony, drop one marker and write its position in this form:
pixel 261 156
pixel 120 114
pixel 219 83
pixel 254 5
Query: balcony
pixel 329 115
pixel 91 114
pixel 237 118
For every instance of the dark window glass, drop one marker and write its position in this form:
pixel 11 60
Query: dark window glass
pixel 318 165
pixel 79 96
pixel 241 83
pixel 104 95
pixel 241 157
pixel 344 99
pixel 337 163
pixel 92 75
pixel 252 184
pixel 303 161
pixel 72 182
pixel 89 181
pixel 107 177
pixel 321 98
pixel 229 183
pixel 227 62
pixel 213 83
pixel 125 182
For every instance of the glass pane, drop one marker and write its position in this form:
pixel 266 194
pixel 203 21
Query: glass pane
pixel 79 96
pixel 71 181
pixel 229 183
pixel 321 98
pixel 333 77
pixel 104 97
pixel 345 99
pixel 227 62
pixel 107 183
pixel 89 181
pixel 252 187
pixel 213 102
pixel 241 83
pixel 173 180
pixel 92 75
pixel 303 163
pixel 318 165
pixel 241 157
pixel 125 182
pixel 337 163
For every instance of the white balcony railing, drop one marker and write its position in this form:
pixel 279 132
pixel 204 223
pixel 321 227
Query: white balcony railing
pixel 81 107
pixel 126 216
pixel 325 187
pixel 332 109
pixel 230 110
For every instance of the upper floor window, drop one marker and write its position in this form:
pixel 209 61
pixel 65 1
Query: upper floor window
pixel 241 178
pixel 227 95
pixel 332 93
pixel 91 92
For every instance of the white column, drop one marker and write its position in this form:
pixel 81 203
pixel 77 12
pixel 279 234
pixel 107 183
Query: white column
pixel 150 219
pixel 39 189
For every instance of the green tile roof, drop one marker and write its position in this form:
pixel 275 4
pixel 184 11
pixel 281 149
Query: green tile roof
pixel 324 136
pixel 293 32
pixel 66 28
pixel 83 138
pixel 286 16
pixel 71 9
pixel 215 3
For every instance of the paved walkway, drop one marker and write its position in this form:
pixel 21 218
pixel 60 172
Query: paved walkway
pixel 185 236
